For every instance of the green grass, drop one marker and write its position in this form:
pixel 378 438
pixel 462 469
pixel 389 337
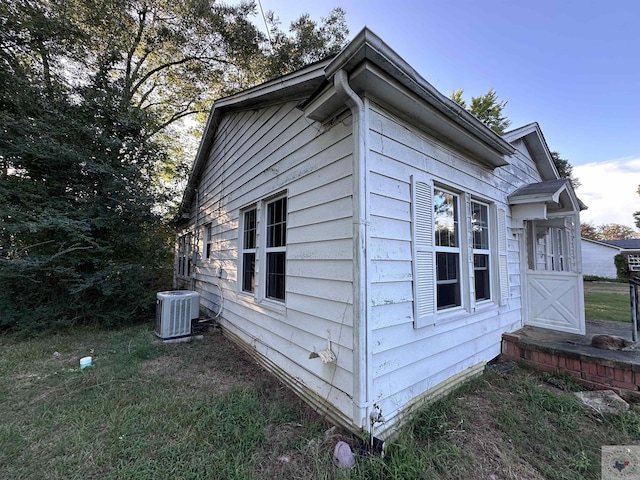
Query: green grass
pixel 119 419
pixel 203 410
pixel 607 301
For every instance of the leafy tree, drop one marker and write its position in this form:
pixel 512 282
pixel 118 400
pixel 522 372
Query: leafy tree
pixel 565 169
pixel 615 231
pixel 89 93
pixel 588 230
pixel 309 42
pixel 486 108
pixel 607 231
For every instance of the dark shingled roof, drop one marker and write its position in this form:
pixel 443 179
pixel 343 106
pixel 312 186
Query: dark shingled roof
pixel 629 244
pixel 548 187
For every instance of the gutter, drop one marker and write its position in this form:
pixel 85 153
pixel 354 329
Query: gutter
pixel 362 374
pixel 367 45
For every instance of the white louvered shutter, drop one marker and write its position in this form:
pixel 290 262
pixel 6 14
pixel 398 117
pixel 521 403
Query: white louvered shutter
pixel 503 272
pixel 424 264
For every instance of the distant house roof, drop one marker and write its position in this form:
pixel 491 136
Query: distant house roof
pixel 630 244
pixel 599 242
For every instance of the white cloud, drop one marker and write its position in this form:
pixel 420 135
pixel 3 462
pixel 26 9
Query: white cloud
pixel 610 190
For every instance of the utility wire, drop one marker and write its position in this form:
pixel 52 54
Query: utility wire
pixel 266 26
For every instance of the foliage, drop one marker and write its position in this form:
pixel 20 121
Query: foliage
pixel 636 215
pixel 622 269
pixel 588 230
pixel 486 108
pixel 90 96
pixel 607 231
pixel 565 169
pixel 308 41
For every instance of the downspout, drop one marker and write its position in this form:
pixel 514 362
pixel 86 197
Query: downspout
pixel 362 376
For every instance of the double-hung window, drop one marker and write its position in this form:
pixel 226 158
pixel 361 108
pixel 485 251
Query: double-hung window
pixel 208 240
pixel 459 262
pixel 184 255
pixel 249 250
pixel 264 249
pixel 276 248
pixel 481 250
pixel 447 247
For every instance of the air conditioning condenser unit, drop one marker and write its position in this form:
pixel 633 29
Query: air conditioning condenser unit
pixel 174 311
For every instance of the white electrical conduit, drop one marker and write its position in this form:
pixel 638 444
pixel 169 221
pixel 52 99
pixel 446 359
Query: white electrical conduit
pixel 220 303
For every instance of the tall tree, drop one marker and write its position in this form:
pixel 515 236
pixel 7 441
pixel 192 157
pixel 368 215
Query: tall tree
pixel 588 230
pixel 88 93
pixel 615 231
pixel 565 169
pixel 487 108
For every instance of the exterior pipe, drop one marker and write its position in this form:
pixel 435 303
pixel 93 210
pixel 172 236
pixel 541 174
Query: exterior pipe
pixel 362 377
pixel 194 249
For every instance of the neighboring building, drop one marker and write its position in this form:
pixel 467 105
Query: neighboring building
pixel 630 249
pixel 351 207
pixel 597 258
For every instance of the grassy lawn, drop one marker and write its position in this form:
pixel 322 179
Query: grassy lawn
pixel 203 410
pixel 607 301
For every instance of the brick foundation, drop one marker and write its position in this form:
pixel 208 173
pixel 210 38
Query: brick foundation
pixel 592 372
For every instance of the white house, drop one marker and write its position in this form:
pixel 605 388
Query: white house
pixel 368 240
pixel 597 258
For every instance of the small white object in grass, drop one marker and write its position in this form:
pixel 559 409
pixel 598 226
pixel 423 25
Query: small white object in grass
pixel 85 362
pixel 56 354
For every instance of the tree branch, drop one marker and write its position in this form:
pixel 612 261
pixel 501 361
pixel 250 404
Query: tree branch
pixel 165 66
pixel 142 16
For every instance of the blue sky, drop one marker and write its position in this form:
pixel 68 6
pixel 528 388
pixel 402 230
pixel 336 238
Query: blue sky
pixel 573 66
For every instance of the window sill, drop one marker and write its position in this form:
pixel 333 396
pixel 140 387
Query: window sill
pixel 462 314
pixel 267 304
pixel 273 305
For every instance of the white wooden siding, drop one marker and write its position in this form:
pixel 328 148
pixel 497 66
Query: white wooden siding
pixel 256 154
pixel 408 361
pixel 597 259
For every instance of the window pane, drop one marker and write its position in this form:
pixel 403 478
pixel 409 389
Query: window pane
pixel 277 223
pixel 480 226
pixel 447 280
pixel 481 273
pixel 249 229
pixel 445 213
pixel 276 275
pixel 447 266
pixel 248 272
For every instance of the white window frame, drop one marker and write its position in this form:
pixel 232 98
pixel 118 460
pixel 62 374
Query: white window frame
pixel 208 241
pixel 425 251
pixel 487 252
pixel 448 250
pixel 248 250
pixel 262 251
pixel 185 249
pixel 278 249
